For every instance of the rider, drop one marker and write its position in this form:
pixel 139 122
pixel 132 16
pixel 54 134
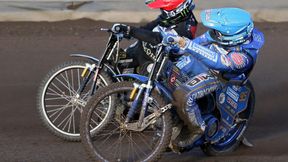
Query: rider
pixel 227 52
pixel 173 12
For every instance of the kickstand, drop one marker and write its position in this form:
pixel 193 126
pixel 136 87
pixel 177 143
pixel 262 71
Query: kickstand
pixel 247 143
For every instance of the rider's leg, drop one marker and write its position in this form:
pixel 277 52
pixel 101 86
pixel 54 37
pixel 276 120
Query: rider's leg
pixel 140 61
pixel 187 108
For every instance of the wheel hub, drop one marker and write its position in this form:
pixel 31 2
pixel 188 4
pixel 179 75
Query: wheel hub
pixel 77 101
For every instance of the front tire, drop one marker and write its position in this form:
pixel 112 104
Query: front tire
pixel 115 143
pixel 58 103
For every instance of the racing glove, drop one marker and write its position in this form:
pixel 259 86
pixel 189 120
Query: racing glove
pixel 172 39
pixel 121 28
pixel 173 43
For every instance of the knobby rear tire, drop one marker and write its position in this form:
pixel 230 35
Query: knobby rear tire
pixel 212 150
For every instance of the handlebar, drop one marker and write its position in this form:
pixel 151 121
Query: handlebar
pixel 119 35
pixel 117 30
pixel 106 29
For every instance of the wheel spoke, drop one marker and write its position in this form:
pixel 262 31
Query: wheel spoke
pixel 144 141
pixel 68 88
pixel 70 119
pixel 60 113
pixel 72 80
pixel 98 115
pixel 94 122
pixel 67 81
pixel 114 142
pixel 137 146
pixel 60 102
pixel 66 118
pixel 63 107
pixel 86 95
pixel 49 106
pixel 73 120
pixel 54 85
pixel 132 144
pixel 58 94
pixel 114 131
pixel 79 82
pixel 54 98
pixel 57 110
pixel 110 134
pixel 99 109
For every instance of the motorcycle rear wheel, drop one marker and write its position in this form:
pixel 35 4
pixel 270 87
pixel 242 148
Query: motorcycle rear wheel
pixel 232 141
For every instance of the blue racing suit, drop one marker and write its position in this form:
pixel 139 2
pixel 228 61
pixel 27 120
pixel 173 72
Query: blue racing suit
pixel 206 65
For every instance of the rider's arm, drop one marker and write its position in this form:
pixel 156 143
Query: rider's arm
pixel 203 39
pixel 151 25
pixel 145 35
pixel 231 62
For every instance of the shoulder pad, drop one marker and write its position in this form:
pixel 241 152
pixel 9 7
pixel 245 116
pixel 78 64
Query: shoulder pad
pixel 257 40
pixel 203 39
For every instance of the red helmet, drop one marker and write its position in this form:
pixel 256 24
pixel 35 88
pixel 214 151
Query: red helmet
pixel 173 11
pixel 167 5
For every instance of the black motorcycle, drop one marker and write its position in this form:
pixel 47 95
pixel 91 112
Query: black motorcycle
pixel 66 88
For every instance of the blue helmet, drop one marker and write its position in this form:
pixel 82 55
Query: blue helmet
pixel 229 26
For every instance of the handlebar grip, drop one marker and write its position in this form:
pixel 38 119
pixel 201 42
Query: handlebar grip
pixel 117 29
pixel 173 40
pixel 106 29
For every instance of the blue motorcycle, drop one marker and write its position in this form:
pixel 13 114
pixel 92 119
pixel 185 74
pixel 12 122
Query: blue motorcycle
pixel 143 121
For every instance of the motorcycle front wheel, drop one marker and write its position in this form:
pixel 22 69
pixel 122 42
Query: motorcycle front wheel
pixel 59 103
pixel 113 141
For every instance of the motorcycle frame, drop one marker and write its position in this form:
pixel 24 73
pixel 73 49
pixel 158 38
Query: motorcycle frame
pixel 112 44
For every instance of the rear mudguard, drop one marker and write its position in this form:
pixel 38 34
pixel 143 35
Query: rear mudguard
pixel 110 70
pixel 143 79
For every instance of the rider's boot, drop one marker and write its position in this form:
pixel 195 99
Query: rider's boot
pixel 175 133
pixel 191 115
pixel 196 127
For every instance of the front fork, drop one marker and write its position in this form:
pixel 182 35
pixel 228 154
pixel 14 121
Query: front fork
pixel 143 122
pixel 146 88
pixel 87 74
pixel 132 110
pixel 140 88
pixel 147 91
pixel 146 98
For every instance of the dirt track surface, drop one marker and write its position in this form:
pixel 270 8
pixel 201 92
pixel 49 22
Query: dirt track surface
pixel 29 50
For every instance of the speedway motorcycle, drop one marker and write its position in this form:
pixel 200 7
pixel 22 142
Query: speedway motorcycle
pixel 142 120
pixel 66 88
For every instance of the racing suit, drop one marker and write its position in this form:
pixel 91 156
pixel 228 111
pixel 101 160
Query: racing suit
pixel 144 53
pixel 207 64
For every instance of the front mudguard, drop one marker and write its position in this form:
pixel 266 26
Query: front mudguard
pixel 94 60
pixel 144 79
